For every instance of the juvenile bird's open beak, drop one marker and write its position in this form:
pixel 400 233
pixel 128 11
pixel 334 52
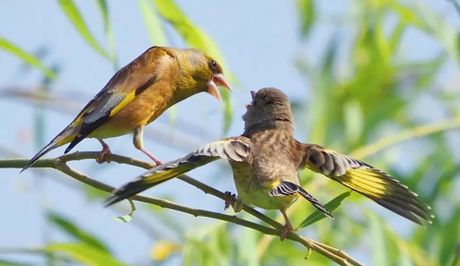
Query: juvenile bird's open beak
pixel 217 80
pixel 253 95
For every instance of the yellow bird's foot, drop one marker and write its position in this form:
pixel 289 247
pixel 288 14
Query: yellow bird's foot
pixel 154 159
pixel 232 200
pixel 104 152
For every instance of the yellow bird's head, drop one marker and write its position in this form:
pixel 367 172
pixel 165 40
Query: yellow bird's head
pixel 201 73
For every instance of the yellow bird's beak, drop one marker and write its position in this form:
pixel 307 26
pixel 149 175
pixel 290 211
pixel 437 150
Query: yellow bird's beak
pixel 217 80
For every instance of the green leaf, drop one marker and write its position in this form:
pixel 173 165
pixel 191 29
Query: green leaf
pixel 73 14
pixel 12 263
pixel 128 217
pixel 247 248
pixel 197 38
pixel 330 206
pixel 104 10
pixel 76 232
pixel 27 57
pixel 228 110
pixel 153 23
pixel 84 254
pixel 379 251
pixel 354 120
pixel 307 16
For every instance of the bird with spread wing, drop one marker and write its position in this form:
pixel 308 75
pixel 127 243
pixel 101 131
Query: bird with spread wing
pixel 265 161
pixel 137 94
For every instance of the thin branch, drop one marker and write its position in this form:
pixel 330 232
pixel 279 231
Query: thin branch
pixel 60 164
pixel 408 134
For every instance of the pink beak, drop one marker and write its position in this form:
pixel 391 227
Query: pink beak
pixel 217 80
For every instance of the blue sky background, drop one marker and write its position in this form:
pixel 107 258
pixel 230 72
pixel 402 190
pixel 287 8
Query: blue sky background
pixel 260 42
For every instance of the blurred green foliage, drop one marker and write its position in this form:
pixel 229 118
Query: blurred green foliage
pixel 362 90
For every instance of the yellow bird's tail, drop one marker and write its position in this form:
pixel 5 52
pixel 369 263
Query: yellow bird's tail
pixel 61 139
pixel 386 191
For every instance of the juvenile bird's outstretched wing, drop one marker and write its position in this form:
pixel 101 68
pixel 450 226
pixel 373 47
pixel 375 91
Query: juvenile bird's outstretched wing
pixel 233 149
pixel 129 82
pixel 368 181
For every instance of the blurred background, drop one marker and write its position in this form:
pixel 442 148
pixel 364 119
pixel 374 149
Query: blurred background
pixel 377 79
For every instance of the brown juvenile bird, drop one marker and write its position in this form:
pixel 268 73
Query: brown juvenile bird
pixel 137 94
pixel 265 160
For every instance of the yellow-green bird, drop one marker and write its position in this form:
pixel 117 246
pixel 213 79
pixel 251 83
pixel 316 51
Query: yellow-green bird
pixel 137 94
pixel 265 161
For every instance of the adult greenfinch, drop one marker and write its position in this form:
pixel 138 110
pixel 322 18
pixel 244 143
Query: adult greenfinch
pixel 265 161
pixel 137 94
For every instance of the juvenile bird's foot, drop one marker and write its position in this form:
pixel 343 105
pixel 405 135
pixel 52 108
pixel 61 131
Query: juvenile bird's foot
pixel 285 230
pixel 232 200
pixel 104 152
pixel 287 226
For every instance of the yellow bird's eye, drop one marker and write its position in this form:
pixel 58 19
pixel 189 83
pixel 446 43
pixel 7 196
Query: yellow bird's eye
pixel 213 65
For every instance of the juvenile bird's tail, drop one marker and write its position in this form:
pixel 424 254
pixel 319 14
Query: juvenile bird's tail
pixel 155 176
pixel 234 149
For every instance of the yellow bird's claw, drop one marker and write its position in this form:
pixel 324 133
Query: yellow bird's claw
pixel 104 153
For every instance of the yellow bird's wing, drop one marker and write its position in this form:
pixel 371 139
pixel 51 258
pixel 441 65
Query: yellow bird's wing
pixel 232 149
pixel 123 87
pixel 368 181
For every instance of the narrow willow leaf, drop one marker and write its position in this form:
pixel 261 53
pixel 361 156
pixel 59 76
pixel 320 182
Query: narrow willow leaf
pixel 354 120
pixel 27 57
pixel 153 23
pixel 84 254
pixel 128 217
pixel 247 247
pixel 73 14
pixel 380 256
pixel 330 206
pixel 76 232
pixel 13 263
pixel 197 38
pixel 104 10
pixel 307 16
pixel 228 110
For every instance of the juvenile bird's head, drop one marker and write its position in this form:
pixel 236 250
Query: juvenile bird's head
pixel 269 108
pixel 200 72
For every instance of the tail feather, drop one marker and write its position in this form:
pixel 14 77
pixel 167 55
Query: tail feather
pixel 51 146
pixel 127 191
pixel 156 176
pixel 387 192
